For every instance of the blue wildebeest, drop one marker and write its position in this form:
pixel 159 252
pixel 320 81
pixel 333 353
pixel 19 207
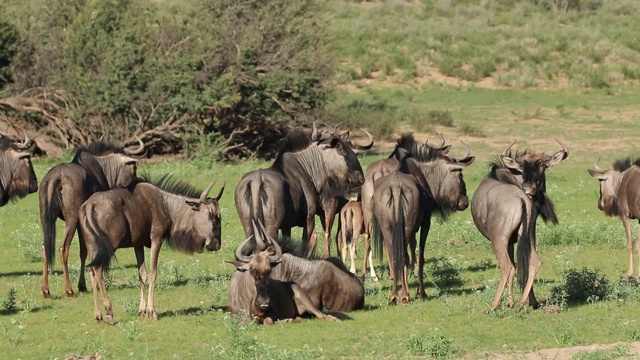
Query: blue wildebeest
pixel 307 174
pixel 351 227
pixel 144 216
pixel 98 167
pixel 505 208
pixel 620 196
pixel 270 286
pixel 404 201
pixel 17 178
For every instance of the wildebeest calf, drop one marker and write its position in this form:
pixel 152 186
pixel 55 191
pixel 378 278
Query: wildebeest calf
pixel 351 227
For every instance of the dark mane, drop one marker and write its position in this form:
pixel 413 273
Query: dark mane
pixel 497 163
pixel 170 184
pixel 418 151
pixel 621 165
pixel 98 148
pixel 296 140
pixel 5 143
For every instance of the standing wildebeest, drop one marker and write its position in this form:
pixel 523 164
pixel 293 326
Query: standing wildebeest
pixel 98 167
pixel 351 226
pixel 144 216
pixel 310 171
pixel 406 145
pixel 404 202
pixel 505 208
pixel 620 196
pixel 17 178
pixel 262 286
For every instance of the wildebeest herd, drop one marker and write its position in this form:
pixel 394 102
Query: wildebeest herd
pixel 102 196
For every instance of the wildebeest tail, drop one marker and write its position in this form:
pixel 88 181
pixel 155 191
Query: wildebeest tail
pixel 106 252
pixel 51 204
pixel 398 246
pixel 347 223
pixel 524 249
pixel 255 197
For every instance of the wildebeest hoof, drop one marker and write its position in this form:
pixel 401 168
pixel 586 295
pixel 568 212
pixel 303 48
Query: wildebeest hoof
pixel 69 293
pixel 406 300
pixel 46 294
pixel 393 300
pixel 99 318
pixel 332 318
pixel 519 307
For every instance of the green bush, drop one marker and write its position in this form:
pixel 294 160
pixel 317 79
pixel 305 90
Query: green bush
pixel 584 285
pixel 8 40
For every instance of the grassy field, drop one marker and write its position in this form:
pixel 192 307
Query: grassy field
pixel 412 90
pixel 192 290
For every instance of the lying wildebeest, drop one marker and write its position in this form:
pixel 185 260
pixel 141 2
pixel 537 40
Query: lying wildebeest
pixel 17 178
pixel 254 292
pixel 145 215
pixel 505 208
pixel 620 196
pixel 98 167
pixel 426 182
pixel 351 226
pixel 309 171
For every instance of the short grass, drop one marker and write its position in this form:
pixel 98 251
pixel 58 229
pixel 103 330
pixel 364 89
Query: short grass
pixel 461 271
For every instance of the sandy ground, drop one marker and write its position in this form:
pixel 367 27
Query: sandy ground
pixel 566 353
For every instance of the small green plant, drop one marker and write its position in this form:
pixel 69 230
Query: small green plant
pixel 440 117
pixel 130 330
pixel 432 344
pixel 617 352
pixel 584 285
pixel 27 241
pixel 564 337
pixel 9 302
pixel 472 130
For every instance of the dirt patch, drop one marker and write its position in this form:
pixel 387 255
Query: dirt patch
pixel 633 352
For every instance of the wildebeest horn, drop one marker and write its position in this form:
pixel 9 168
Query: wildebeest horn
pixel 597 165
pixel 276 257
pixel 365 146
pixel 564 148
pixel 314 133
pixel 27 142
pixel 441 142
pixel 466 155
pixel 506 151
pixel 239 255
pixel 138 151
pixel 205 193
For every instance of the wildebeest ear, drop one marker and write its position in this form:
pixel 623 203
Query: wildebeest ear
pixel 597 174
pixel 240 266
pixel 195 205
pixel 556 158
pixel 445 150
pixel 511 163
pixel 344 136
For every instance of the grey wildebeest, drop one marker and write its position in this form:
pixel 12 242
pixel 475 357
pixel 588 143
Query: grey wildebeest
pixel 308 173
pixel 404 201
pixel 505 208
pixel 620 196
pixel 98 167
pixel 142 216
pixel 17 178
pixel 255 293
pixel 351 227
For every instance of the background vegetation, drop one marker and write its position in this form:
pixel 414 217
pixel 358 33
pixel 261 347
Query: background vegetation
pixel 380 65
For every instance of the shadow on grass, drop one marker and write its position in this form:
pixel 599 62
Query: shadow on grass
pixel 15 274
pixel 192 311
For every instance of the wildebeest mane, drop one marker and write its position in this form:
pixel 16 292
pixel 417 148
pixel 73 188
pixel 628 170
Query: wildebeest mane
pixel 168 183
pixel 497 163
pixel 621 165
pixel 98 148
pixel 296 140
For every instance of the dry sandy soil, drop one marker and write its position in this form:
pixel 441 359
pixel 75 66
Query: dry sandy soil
pixel 568 352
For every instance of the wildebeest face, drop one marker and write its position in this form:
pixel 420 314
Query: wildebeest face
pixel 532 168
pixel 23 176
pixel 128 173
pixel 453 186
pixel 342 163
pixel 609 184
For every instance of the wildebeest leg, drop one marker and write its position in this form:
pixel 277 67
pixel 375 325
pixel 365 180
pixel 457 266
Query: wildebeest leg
pixel 412 249
pixel 512 274
pixel 500 246
pixel 70 226
pixel 97 314
pixel 638 249
pixel 424 232
pixel 142 278
pixel 534 266
pixel 368 255
pixel 627 230
pixel 330 215
pixel 304 304
pixel 82 282
pixel 352 252
pixel 153 271
pixel 405 283
pixel 309 234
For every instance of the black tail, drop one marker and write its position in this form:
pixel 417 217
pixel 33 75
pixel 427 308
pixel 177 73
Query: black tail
pixel 51 202
pixel 398 245
pixel 106 252
pixel 348 227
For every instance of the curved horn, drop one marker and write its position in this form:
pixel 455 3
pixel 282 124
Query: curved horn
pixel 217 198
pixel 260 244
pixel 365 146
pixel 205 193
pixel 506 151
pixel 26 143
pixel 314 133
pixel 239 255
pixel 138 151
pixel 272 258
pixel 597 165
pixel 441 142
pixel 465 155
pixel 564 148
